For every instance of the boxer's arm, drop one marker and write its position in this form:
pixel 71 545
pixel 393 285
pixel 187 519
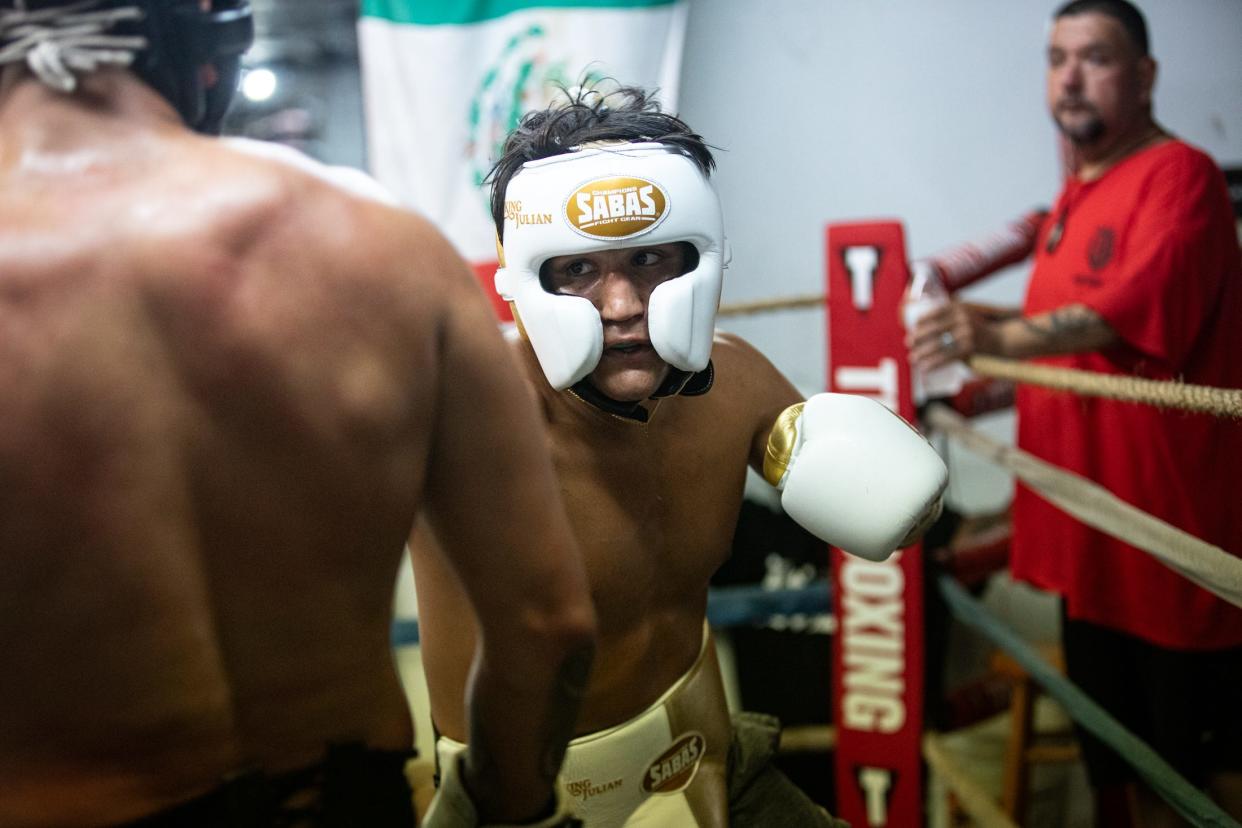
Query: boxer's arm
pixel 758 387
pixel 493 503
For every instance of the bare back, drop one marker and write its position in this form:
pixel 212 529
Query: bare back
pixel 216 404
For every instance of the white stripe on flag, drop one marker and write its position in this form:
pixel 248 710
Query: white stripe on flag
pixel 440 99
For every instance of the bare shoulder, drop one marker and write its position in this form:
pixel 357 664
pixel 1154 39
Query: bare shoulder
pixel 273 251
pixel 291 185
pixel 731 349
pixel 736 360
pixel 753 389
pixel 748 378
pixel 350 180
pixel 335 220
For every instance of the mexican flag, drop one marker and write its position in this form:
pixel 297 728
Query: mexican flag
pixel 445 81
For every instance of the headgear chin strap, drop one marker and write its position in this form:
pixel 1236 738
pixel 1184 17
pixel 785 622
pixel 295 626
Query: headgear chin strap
pixel 609 198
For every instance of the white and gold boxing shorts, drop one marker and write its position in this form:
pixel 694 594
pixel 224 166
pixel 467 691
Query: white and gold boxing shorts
pixel 665 768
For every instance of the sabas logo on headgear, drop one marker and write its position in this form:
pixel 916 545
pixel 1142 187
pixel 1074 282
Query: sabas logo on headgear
pixel 616 208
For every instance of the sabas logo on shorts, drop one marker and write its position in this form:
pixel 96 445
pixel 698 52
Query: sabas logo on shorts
pixel 674 768
pixel 616 208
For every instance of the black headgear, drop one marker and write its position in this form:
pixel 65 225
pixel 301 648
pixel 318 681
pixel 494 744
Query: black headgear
pixel 181 38
pixel 166 42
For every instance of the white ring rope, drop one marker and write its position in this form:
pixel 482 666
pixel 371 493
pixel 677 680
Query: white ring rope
pixel 972 798
pixel 1202 563
pixel 59 42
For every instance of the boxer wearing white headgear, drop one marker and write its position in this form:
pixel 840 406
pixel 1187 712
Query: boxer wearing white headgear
pixel 613 250
pixel 605 198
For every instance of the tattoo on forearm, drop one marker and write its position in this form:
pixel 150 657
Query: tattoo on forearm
pixel 1068 328
pixel 567 693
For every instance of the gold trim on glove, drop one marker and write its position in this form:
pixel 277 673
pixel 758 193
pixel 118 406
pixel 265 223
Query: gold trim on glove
pixel 781 443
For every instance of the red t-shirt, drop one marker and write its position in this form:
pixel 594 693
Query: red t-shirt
pixel 1151 246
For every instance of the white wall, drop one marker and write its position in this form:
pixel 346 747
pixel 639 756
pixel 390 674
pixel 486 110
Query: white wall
pixel 931 112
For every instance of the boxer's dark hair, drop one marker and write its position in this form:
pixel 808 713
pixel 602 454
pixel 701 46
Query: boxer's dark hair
pixel 587 114
pixel 1123 11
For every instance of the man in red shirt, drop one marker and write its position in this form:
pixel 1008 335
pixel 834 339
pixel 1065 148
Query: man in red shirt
pixel 1137 272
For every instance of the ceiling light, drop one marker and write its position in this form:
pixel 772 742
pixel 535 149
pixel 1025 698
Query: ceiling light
pixel 259 85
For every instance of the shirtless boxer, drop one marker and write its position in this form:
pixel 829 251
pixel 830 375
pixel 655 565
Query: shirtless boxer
pixel 227 384
pixel 605 215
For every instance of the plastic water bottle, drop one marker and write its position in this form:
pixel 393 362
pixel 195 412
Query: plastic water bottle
pixel 926 294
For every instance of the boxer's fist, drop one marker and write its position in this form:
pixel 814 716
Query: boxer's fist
pixel 854 474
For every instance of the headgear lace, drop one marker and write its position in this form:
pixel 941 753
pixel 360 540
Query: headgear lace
pixel 57 43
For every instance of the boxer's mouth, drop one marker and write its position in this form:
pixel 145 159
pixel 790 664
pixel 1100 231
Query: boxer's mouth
pixel 627 347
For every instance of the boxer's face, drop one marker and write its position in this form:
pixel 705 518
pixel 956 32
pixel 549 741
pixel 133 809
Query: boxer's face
pixel 1099 87
pixel 619 284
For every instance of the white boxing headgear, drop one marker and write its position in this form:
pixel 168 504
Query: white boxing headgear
pixel 606 198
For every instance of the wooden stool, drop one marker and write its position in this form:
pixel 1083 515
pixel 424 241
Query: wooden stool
pixel 1023 750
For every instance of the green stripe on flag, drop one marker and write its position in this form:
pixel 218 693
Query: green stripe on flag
pixel 460 12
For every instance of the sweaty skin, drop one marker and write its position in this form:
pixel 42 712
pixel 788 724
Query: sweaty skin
pixel 653 507
pixel 226 386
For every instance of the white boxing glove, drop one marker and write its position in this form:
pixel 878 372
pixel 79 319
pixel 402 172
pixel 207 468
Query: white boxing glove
pixel 855 474
pixel 453 807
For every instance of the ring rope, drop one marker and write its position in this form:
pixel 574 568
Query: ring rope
pixel 1222 402
pixel 1203 563
pixel 1185 798
pixel 806 300
pixel 971 797
pixel 813 738
pixel 736 606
